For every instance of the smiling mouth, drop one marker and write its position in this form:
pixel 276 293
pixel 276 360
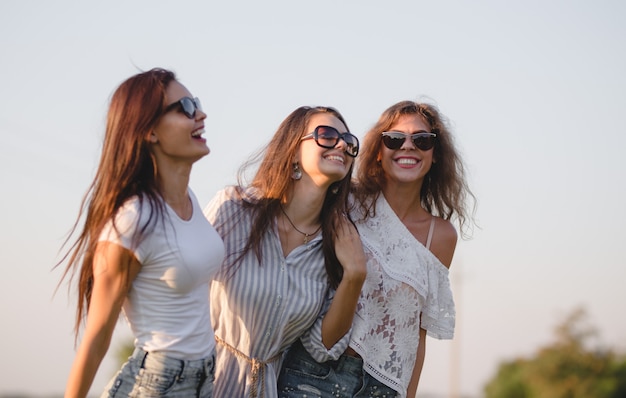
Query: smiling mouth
pixel 198 133
pixel 335 158
pixel 406 161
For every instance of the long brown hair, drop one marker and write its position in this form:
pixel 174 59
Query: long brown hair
pixel 272 182
pixel 126 169
pixel 444 193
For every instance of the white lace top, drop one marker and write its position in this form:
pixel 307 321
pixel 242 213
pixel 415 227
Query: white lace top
pixel 404 280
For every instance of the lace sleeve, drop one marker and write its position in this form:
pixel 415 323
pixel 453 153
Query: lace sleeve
pixel 438 314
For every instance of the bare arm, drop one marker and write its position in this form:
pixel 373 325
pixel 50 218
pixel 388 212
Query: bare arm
pixel 443 247
pixel 419 364
pixel 349 250
pixel 109 291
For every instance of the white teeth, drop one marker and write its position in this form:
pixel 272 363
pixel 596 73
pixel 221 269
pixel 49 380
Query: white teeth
pixel 407 161
pixel 197 133
pixel 334 157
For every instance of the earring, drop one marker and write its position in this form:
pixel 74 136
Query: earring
pixel 297 173
pixel 334 190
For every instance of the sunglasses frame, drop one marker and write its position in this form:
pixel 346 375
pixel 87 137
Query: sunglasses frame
pixel 340 136
pixel 184 104
pixel 421 145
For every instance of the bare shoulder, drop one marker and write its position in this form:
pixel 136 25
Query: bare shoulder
pixel 444 241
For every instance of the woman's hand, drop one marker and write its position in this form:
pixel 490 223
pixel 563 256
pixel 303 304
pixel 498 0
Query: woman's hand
pixel 349 251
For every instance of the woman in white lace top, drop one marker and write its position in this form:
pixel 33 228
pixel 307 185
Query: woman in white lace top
pixel 410 185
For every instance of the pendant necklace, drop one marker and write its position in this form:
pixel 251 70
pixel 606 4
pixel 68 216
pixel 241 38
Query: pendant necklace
pixel 306 236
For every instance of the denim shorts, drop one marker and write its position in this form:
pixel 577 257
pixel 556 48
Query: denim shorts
pixel 302 376
pixel 156 375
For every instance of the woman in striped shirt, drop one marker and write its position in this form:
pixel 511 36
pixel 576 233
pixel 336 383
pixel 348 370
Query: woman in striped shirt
pixel 294 261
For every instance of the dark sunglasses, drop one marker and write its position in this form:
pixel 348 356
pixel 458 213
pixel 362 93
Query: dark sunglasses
pixel 187 105
pixel 422 140
pixel 328 137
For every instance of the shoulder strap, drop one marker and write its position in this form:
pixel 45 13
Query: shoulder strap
pixel 430 232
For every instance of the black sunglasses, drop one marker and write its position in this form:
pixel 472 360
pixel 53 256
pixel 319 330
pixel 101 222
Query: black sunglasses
pixel 328 137
pixel 187 105
pixel 422 139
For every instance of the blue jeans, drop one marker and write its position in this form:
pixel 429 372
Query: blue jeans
pixel 302 376
pixel 156 375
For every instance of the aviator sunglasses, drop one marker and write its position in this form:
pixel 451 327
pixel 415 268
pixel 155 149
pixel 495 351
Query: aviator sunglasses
pixel 328 137
pixel 187 105
pixel 422 139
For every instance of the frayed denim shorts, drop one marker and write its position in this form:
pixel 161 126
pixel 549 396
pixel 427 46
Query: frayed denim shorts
pixel 302 376
pixel 157 375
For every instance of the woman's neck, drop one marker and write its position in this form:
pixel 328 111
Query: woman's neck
pixel 404 199
pixel 173 183
pixel 304 205
pixel 299 221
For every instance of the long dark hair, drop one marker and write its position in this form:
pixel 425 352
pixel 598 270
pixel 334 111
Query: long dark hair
pixel 272 183
pixel 126 169
pixel 444 192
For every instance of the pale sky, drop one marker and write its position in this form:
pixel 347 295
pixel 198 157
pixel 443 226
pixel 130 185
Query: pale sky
pixel 535 92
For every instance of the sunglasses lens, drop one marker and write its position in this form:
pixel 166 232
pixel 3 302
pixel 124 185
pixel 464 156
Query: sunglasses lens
pixel 352 144
pixel 424 142
pixel 189 107
pixel 393 140
pixel 327 137
pixel 186 105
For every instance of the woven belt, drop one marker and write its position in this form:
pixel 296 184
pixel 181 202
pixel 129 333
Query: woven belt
pixel 257 367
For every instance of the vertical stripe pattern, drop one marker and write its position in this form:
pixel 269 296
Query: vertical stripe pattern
pixel 260 309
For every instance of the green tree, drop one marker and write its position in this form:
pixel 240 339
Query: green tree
pixel 568 368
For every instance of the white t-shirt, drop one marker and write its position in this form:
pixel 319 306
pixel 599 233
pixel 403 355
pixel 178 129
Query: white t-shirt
pixel 167 306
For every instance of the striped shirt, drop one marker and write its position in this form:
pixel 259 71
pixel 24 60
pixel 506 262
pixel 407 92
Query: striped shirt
pixel 258 311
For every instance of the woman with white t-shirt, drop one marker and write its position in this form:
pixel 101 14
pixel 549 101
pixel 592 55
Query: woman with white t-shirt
pixel 146 248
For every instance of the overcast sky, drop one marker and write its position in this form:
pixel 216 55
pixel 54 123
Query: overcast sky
pixel 535 92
